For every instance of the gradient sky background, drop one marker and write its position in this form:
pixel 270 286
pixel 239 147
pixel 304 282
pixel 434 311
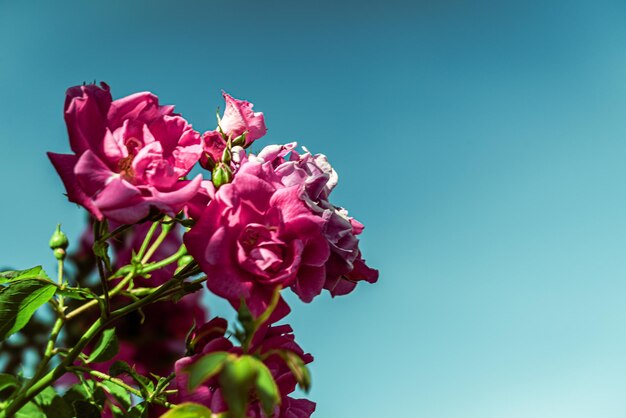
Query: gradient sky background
pixel 482 143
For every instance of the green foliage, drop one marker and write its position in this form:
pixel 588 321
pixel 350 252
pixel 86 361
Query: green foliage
pixel 8 383
pixel 243 375
pixel 77 293
pixel 106 348
pixel 21 298
pixel 205 368
pixel 298 368
pixel 15 275
pixel 188 410
pixel 85 398
pixel 117 392
pixel 146 386
pixel 47 404
pixel 266 388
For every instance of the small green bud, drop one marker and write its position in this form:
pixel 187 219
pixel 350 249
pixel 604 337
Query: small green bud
pixel 59 253
pixel 58 239
pixel 227 155
pixel 184 261
pixel 240 140
pixel 221 175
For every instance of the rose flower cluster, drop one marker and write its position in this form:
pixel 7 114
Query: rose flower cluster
pixel 255 224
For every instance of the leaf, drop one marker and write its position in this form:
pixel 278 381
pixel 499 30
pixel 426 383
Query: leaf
pixel 85 409
pixel 188 410
pixel 139 411
pixel 77 293
pixel 298 368
pixel 13 275
pixel 119 393
pixel 8 381
pixel 236 380
pixel 120 367
pixel 117 412
pixel 19 301
pixel 266 388
pixel 47 404
pixel 205 368
pixel 30 410
pixel 106 348
pixel 53 405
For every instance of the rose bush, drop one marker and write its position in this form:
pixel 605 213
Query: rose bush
pixel 125 341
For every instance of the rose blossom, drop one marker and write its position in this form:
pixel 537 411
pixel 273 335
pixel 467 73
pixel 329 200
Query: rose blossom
pixel 129 155
pixel 267 338
pixel 256 235
pixel 238 118
pixel 316 179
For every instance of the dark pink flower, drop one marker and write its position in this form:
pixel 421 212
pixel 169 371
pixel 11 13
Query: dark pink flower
pixel 316 179
pixel 239 118
pixel 267 342
pixel 257 234
pixel 129 155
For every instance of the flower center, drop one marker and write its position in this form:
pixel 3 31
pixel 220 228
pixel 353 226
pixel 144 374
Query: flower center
pixel 125 165
pixel 260 250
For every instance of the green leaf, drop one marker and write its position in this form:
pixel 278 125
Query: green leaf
pixel 85 409
pixel 298 368
pixel 237 379
pixel 30 410
pixel 266 388
pixel 19 301
pixel 52 404
pixel 205 368
pixel 188 410
pixel 117 412
pixel 106 348
pixel 13 275
pixel 139 411
pixel 77 293
pixel 117 392
pixel 8 381
pixel 120 367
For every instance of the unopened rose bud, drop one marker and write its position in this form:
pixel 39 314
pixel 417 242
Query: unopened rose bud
pixel 58 239
pixel 241 139
pixel 183 262
pixel 221 175
pixel 59 253
pixel 227 156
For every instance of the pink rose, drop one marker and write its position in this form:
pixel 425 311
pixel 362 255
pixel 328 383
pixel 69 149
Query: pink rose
pixel 238 118
pixel 267 339
pixel 129 155
pixel 256 235
pixel 316 179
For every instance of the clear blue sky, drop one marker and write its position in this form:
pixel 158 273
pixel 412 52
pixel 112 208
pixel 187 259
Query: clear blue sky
pixel 482 143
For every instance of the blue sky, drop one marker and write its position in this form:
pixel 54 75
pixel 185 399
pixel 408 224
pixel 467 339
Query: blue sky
pixel 481 143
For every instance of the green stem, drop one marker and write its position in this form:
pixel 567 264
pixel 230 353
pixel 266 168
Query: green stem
pixel 166 261
pixel 104 376
pixel 117 289
pixel 165 229
pixel 54 333
pixel 147 239
pixel 25 396
pixel 115 232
